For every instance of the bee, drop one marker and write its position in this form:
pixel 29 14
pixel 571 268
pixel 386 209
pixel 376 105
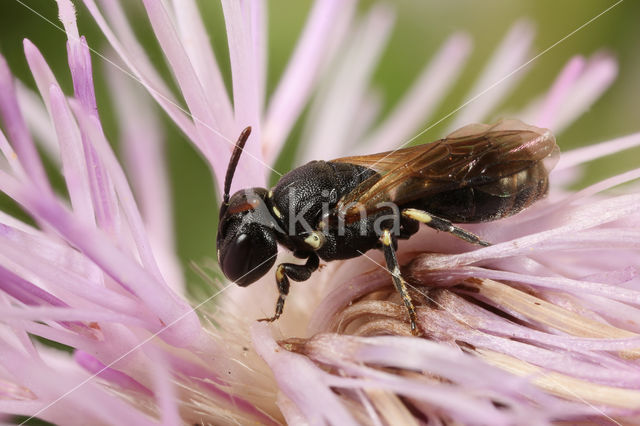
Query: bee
pixel 339 209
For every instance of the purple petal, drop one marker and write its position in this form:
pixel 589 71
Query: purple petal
pixel 17 131
pixel 93 133
pixel 79 58
pixel 24 291
pixel 182 325
pixel 94 366
pixel 103 194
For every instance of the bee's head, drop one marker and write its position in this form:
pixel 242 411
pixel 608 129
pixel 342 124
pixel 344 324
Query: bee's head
pixel 246 241
pixel 247 244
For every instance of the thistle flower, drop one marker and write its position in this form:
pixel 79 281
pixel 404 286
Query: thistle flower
pixel 540 327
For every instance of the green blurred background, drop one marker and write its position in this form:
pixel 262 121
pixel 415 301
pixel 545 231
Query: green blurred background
pixel 420 28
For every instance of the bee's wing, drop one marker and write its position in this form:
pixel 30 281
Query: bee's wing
pixel 474 155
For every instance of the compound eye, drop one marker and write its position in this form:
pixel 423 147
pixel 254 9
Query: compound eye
pixel 248 256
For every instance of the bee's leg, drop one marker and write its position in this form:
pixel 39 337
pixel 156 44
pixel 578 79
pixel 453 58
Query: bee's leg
pixel 296 273
pixel 394 268
pixel 408 227
pixel 441 224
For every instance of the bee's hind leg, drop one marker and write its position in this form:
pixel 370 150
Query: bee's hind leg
pixel 394 268
pixel 441 224
pixel 296 273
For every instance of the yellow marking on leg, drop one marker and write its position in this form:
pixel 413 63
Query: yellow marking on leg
pixel 315 240
pixel 386 237
pixel 396 272
pixel 280 273
pixel 418 215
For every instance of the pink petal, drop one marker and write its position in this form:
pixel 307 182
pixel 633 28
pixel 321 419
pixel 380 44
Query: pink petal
pixel 72 154
pixel 20 260
pixel 422 97
pixel 583 155
pixel 242 20
pixel 11 157
pixel 146 163
pixel 65 336
pixel 580 218
pixel 332 112
pixel 57 395
pixel 558 92
pixel 196 43
pixel 300 380
pixel 164 388
pixel 300 76
pixel 502 72
pixel 37 118
pixel 558 283
pixel 215 146
pixel 41 72
pixel 599 74
pixel 136 60
pixel 347 353
pixel 66 314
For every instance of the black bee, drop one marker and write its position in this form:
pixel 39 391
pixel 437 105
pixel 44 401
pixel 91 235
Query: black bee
pixel 339 209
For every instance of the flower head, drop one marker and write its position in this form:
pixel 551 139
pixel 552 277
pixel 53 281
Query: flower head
pixel 537 328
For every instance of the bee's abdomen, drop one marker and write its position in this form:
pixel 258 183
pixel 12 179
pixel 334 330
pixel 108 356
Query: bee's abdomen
pixel 483 203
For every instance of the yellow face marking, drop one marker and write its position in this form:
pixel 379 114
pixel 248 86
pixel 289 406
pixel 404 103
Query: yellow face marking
pixel 276 212
pixel 315 240
pixel 418 215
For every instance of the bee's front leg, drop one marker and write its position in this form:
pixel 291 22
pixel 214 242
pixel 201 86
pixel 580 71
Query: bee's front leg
pixel 296 273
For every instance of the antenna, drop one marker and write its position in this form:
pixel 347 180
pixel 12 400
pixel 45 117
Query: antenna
pixel 233 163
